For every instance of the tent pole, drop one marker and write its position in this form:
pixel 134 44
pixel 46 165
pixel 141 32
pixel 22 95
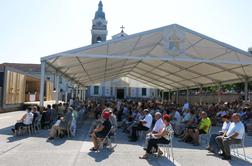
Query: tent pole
pixel 84 95
pixel 177 96
pixel 246 90
pixel 162 96
pixel 42 83
pixel 219 92
pixel 66 92
pixel 201 95
pixel 169 96
pixel 187 94
pixel 57 88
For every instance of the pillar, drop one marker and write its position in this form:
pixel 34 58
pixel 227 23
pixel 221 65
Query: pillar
pixel 246 90
pixel 42 83
pixel 72 94
pixel 177 97
pixel 162 96
pixel 66 92
pixel 84 93
pixel 57 88
pixel 200 95
pixel 219 92
pixel 169 96
pixel 187 95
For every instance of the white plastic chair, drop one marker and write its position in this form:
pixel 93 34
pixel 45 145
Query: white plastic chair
pixel 142 134
pixel 167 149
pixel 234 148
pixel 205 137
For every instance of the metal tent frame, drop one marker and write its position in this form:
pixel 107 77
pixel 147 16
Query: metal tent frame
pixel 169 58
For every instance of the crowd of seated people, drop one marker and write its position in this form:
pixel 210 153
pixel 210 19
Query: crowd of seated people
pixel 59 118
pixel 188 121
pixel 155 120
pixel 66 119
pixel 193 131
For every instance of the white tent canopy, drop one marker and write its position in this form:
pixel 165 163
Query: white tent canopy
pixel 171 57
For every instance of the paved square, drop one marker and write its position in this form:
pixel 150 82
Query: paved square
pixel 35 151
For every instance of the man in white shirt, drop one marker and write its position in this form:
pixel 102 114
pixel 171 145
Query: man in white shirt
pixel 185 106
pixel 158 127
pixel 24 121
pixel 159 124
pixel 144 124
pixel 234 135
pixel 213 146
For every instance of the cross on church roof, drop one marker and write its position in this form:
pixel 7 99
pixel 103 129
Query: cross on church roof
pixel 122 27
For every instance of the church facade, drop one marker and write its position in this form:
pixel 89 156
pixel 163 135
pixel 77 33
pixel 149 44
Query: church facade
pixel 121 88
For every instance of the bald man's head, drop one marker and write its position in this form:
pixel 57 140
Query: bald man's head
pixel 236 117
pixel 203 114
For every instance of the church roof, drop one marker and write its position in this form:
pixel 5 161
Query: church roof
pixel 171 57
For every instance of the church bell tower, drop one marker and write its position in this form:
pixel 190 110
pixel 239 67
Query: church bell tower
pixel 99 27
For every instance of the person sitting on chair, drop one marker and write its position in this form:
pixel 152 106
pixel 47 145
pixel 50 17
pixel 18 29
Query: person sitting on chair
pixel 144 124
pixel 212 145
pixel 60 126
pixel 234 135
pixel 162 137
pixel 159 125
pixel 101 131
pixel 202 128
pixel 24 121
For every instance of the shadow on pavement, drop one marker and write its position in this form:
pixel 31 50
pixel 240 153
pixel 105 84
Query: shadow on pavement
pixel 101 155
pixel 43 133
pixel 160 161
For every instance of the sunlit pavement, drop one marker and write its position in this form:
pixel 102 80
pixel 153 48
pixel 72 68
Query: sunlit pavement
pixel 35 151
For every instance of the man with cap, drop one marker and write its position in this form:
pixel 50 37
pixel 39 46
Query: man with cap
pixel 101 131
pixel 144 124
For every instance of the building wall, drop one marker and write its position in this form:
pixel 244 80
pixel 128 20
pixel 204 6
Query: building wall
pixel 208 98
pixel 135 92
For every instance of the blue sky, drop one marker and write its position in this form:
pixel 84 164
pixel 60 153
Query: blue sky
pixel 31 29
